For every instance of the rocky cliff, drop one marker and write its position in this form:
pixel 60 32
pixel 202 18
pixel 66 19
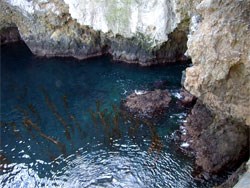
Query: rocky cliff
pixel 130 30
pixel 220 75
pixel 218 127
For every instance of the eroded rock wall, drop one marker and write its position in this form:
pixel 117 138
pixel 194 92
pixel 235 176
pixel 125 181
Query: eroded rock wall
pixel 145 32
pixel 48 29
pixel 219 45
pixel 155 18
pixel 219 142
pixel 219 48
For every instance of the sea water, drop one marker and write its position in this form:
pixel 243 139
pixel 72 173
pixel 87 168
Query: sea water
pixel 61 124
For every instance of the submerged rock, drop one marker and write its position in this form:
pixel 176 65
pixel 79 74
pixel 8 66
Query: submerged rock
pixel 160 84
pixel 147 103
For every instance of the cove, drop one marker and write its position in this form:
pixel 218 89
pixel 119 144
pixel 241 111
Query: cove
pixel 60 125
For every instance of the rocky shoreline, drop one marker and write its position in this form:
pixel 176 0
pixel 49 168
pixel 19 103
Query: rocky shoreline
pixel 217 142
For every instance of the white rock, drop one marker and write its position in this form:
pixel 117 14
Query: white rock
pixel 155 18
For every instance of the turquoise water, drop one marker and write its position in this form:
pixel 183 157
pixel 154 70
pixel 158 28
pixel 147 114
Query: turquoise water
pixel 61 125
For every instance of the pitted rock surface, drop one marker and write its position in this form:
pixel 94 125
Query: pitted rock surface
pixel 219 48
pixel 218 142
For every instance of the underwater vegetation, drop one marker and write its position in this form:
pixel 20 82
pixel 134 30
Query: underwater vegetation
pixel 112 119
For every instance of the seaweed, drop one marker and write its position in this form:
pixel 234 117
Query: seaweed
pixel 108 119
pixel 25 114
pixel 70 116
pixel 28 123
pixel 93 117
pixel 34 111
pixel 54 110
pixel 156 144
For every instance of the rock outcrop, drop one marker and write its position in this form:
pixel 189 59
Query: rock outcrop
pixel 218 142
pixel 219 48
pixel 186 98
pixel 130 30
pixel 147 103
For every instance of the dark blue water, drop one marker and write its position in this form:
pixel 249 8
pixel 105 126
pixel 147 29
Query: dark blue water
pixel 61 125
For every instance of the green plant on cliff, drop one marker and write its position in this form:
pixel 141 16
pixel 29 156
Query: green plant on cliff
pixel 144 41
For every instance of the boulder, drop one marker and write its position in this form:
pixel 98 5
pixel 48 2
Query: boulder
pixel 147 103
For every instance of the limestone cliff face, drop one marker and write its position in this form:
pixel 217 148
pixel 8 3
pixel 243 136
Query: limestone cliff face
pixel 155 18
pixel 48 29
pixel 219 45
pixel 220 51
pixel 144 32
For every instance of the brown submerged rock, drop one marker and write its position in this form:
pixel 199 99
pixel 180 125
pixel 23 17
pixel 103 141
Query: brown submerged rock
pixel 150 103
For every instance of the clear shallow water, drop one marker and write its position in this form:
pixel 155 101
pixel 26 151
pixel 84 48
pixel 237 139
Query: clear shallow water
pixel 53 132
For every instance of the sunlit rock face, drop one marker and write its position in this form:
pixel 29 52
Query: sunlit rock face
pixel 219 48
pixel 145 32
pixel 155 18
pixel 219 45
